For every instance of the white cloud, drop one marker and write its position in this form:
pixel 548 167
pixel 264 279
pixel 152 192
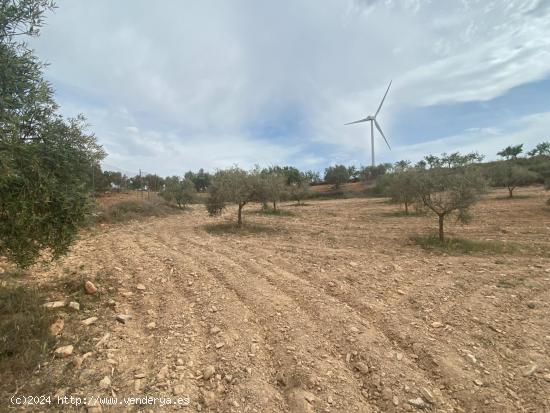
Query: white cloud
pixel 158 82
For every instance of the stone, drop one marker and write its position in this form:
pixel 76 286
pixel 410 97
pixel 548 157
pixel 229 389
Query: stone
pixel 529 370
pixel 387 394
pixel 179 390
pixel 105 382
pixel 427 395
pixel 74 306
pixel 547 377
pixel 163 373
pixel 299 401
pixel 215 330
pixel 77 361
pixel 478 382
pixel 90 288
pixel 89 321
pixel 56 327
pixel 64 351
pixel 208 372
pixel 152 325
pixel 123 318
pixel 362 367
pixel 54 304
pixel 209 398
pixel 418 402
pixel 437 324
pixel 220 344
pixel 140 287
pixel 139 376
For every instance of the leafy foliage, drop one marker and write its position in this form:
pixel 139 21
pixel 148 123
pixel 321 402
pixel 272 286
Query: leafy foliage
pixel 182 191
pixel 337 175
pixel 511 152
pixel 201 179
pixel 299 191
pixel 233 185
pixel 45 160
pixel 541 149
pixel 448 189
pixel 509 175
pixel 402 187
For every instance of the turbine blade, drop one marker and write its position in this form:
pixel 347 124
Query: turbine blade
pixel 381 133
pixel 384 98
pixel 357 121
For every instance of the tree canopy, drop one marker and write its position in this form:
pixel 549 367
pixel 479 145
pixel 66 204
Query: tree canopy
pixel 45 160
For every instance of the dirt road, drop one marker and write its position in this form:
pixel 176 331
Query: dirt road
pixel 331 309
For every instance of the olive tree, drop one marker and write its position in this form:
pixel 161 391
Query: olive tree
pixel 232 186
pixel 299 191
pixel 445 190
pixel 183 191
pixel 45 160
pixel 337 175
pixel 402 187
pixel 506 174
pixel 272 184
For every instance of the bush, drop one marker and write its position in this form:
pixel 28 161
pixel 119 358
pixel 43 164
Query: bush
pixel 128 210
pixel 510 175
pixel 337 175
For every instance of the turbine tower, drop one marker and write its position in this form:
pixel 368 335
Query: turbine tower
pixel 373 123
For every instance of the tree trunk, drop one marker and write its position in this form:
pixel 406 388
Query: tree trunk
pixel 511 192
pixel 240 220
pixel 274 206
pixel 406 208
pixel 441 233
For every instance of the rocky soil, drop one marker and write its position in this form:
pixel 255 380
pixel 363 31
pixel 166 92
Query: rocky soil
pixel 332 309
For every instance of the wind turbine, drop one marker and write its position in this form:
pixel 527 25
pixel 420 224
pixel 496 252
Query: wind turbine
pixel 373 122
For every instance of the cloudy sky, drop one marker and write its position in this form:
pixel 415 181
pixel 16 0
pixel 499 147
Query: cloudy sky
pixel 169 86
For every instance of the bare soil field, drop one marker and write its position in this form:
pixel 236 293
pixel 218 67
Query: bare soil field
pixel 329 309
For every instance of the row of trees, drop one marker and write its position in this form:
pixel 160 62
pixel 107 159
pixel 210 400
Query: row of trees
pixel 240 187
pixel 449 184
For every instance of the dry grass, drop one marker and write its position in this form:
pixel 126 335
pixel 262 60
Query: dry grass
pixel 248 228
pixel 24 329
pixel 134 209
pixel 464 246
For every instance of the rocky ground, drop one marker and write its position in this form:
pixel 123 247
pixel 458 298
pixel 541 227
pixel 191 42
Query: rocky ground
pixel 331 309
